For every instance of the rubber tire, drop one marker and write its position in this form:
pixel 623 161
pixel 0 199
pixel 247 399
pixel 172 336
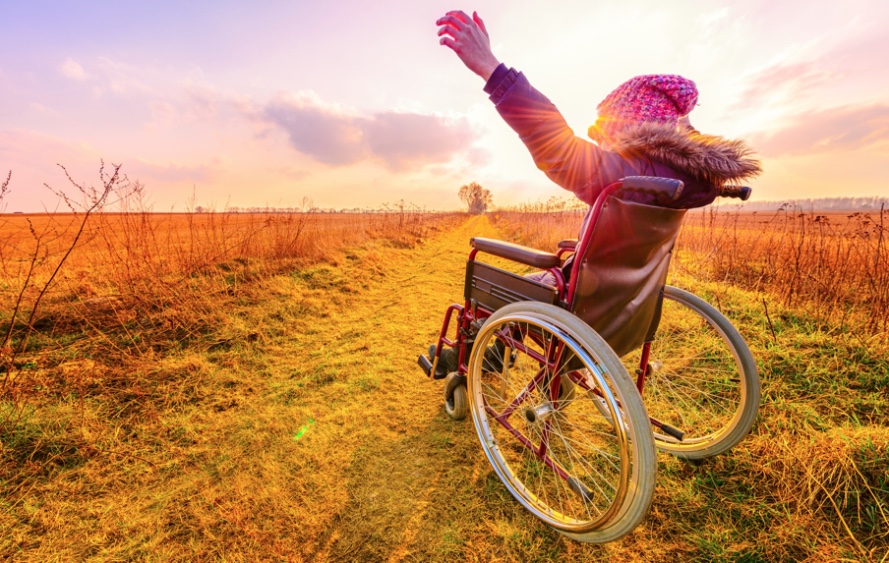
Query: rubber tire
pixel 638 446
pixel 742 404
pixel 456 402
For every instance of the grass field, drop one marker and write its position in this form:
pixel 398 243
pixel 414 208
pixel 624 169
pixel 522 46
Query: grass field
pixel 190 396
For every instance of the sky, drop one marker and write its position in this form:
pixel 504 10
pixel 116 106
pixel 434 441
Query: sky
pixel 354 104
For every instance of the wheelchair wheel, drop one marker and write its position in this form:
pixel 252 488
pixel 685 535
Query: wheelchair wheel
pixel 572 467
pixel 456 403
pixel 703 379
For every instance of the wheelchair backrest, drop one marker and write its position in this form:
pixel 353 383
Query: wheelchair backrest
pixel 620 268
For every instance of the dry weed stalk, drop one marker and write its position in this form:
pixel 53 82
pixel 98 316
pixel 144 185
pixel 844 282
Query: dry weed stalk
pixel 834 266
pixel 141 283
pixel 24 310
pixel 541 224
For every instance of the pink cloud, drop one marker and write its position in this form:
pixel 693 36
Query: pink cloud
pixel 320 132
pixel 844 128
pixel 334 136
pixel 845 66
pixel 73 70
pixel 863 54
pixel 799 78
pixel 401 139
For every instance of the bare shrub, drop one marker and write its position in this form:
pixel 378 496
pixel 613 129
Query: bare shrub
pixel 46 252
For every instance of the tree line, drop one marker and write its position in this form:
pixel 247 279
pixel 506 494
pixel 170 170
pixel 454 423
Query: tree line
pixel 873 203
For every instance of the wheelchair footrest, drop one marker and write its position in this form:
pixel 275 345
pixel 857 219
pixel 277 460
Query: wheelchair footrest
pixel 575 485
pixel 674 432
pixel 424 363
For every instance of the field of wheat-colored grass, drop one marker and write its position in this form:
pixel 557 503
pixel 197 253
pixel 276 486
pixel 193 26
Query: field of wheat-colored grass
pixel 244 387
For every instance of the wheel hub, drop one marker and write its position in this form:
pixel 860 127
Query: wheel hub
pixel 539 413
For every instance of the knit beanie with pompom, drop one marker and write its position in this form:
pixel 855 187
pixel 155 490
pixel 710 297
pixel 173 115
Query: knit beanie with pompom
pixel 658 98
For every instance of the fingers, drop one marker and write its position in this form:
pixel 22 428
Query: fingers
pixel 459 14
pixel 452 24
pixel 478 21
pixel 451 20
pixel 455 22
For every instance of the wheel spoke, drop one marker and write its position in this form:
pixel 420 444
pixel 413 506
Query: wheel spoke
pixel 703 380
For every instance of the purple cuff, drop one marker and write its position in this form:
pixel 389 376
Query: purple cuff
pixel 500 82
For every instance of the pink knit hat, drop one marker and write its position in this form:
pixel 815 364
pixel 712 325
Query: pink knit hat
pixel 659 98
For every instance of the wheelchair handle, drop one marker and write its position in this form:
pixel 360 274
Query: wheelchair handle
pixel 668 189
pixel 740 192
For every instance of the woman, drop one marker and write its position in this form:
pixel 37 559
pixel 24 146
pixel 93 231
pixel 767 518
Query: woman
pixel 642 129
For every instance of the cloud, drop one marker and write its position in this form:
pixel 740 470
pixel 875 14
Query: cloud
pixel 336 136
pixel 837 129
pixel 321 132
pixel 777 82
pixel 73 70
pixel 204 101
pixel 122 78
pixel 401 139
pixel 171 172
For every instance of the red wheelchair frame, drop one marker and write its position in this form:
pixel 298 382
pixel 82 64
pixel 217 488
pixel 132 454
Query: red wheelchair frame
pixel 490 292
pixel 469 312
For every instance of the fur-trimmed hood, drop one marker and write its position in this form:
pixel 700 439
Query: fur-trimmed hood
pixel 706 157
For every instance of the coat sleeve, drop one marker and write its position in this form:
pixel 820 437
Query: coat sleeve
pixel 573 163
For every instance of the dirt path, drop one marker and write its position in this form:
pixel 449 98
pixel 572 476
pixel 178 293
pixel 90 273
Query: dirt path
pixel 387 476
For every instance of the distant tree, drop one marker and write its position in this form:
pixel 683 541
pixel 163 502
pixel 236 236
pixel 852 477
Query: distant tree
pixel 476 198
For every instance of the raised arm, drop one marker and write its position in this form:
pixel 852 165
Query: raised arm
pixel 572 163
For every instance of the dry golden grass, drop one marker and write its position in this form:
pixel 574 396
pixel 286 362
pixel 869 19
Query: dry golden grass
pixel 834 264
pixel 176 402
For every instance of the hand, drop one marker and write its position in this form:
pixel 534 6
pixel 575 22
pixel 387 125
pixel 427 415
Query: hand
pixel 469 39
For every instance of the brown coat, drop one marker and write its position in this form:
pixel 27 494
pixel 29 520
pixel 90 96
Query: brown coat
pixel 702 162
pixel 623 272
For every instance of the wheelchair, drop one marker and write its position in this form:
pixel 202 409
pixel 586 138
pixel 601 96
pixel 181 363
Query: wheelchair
pixel 574 385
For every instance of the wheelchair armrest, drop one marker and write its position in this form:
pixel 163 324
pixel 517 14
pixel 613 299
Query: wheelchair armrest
pixel 664 190
pixel 516 252
pixel 568 244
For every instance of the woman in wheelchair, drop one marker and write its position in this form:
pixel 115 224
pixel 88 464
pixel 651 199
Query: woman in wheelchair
pixel 558 414
pixel 642 129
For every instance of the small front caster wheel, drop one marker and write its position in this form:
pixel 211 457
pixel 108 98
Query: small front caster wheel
pixel 456 402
